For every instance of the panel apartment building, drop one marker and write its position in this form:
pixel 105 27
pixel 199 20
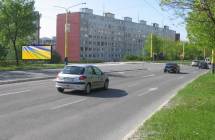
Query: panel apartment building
pixel 95 37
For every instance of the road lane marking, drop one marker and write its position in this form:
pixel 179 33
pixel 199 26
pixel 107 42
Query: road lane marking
pixel 134 84
pixel 148 76
pixel 12 93
pixel 148 91
pixel 64 105
pixel 121 72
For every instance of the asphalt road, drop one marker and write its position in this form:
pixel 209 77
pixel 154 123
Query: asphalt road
pixel 36 111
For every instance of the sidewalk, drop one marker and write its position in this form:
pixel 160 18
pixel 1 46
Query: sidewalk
pixel 8 77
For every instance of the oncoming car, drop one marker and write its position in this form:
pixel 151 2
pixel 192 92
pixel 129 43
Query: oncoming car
pixel 195 63
pixel 172 67
pixel 81 77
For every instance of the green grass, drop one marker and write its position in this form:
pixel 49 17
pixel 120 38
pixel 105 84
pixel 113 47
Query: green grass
pixel 30 67
pixel 188 116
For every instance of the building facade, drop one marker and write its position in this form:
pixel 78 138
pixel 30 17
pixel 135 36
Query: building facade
pixel 94 37
pixel 48 41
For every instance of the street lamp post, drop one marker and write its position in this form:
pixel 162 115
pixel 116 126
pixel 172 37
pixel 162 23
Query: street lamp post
pixel 151 49
pixel 67 30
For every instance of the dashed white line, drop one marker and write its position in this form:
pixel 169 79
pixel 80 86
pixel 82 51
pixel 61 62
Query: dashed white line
pixel 12 93
pixel 148 76
pixel 148 91
pixel 64 105
pixel 121 72
pixel 134 84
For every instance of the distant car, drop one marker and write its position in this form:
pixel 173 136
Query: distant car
pixel 195 63
pixel 172 67
pixel 81 77
pixel 207 60
pixel 203 65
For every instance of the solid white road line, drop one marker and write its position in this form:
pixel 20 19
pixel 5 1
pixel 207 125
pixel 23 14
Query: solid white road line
pixel 148 91
pixel 12 93
pixel 64 105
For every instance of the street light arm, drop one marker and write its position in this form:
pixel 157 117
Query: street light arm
pixel 67 9
pixel 76 5
pixel 61 7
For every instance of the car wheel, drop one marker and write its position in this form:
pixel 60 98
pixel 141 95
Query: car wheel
pixel 178 71
pixel 106 84
pixel 88 89
pixel 60 90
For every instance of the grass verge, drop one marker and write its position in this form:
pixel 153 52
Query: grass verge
pixel 188 116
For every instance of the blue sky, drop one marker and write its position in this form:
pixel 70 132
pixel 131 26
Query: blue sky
pixel 148 10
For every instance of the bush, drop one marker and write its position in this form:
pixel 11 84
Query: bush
pixel 133 58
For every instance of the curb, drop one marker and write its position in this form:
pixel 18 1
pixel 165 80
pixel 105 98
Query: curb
pixel 175 91
pixel 26 80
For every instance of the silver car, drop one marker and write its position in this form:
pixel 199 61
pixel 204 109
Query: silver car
pixel 81 77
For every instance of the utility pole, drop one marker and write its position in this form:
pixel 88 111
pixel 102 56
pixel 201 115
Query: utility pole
pixel 67 30
pixel 204 53
pixel 183 51
pixel 151 54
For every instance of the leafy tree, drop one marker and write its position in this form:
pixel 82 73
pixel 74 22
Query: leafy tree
pixel 183 7
pixel 17 22
pixel 163 48
pixel 200 18
pixel 3 52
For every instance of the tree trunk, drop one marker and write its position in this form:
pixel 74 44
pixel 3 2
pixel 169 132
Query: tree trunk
pixel 16 52
pixel 213 63
pixel 213 68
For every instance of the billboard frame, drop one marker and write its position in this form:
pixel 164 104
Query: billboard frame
pixel 51 51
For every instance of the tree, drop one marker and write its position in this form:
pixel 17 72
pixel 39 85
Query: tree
pixel 183 7
pixel 3 52
pixel 163 48
pixel 17 21
pixel 200 18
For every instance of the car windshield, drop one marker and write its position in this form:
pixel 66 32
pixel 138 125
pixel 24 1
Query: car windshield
pixel 171 64
pixel 73 70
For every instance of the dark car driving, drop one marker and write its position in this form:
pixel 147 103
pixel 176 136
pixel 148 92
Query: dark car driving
pixel 203 65
pixel 172 67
